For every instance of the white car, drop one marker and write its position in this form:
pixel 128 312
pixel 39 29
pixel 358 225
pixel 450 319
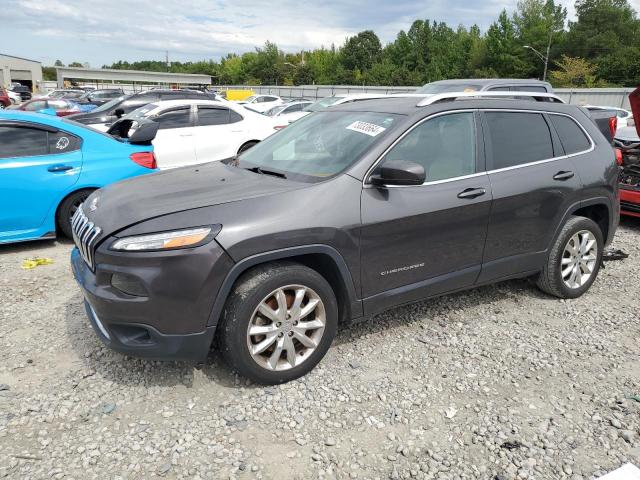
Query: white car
pixel 261 103
pixel 200 131
pixel 330 101
pixel 622 114
pixel 15 98
pixel 288 112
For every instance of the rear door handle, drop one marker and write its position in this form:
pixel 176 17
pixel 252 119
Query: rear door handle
pixel 563 175
pixel 472 193
pixel 59 168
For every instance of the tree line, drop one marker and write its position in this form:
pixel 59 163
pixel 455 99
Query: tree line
pixel 600 48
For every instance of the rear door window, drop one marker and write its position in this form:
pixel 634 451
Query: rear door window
pixel 176 118
pixel 22 142
pixel 572 137
pixel 518 138
pixel 212 116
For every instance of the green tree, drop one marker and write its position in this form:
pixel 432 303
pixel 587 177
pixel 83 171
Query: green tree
pixel 574 72
pixel 504 52
pixel 361 51
pixel 539 23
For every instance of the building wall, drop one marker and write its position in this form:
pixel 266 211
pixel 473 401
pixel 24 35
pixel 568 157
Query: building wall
pixel 14 69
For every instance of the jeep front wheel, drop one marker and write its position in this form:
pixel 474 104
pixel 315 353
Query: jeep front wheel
pixel 278 323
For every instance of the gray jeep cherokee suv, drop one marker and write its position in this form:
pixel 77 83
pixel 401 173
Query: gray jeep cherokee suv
pixel 343 214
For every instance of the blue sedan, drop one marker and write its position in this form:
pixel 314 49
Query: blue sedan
pixel 50 165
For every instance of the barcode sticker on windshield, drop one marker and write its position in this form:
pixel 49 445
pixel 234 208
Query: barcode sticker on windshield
pixel 367 128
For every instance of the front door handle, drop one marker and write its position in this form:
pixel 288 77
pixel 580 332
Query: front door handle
pixel 59 168
pixel 563 175
pixel 472 193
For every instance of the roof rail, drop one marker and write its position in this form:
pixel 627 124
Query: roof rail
pixel 439 97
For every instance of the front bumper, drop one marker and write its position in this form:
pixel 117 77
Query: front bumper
pixel 169 322
pixel 630 202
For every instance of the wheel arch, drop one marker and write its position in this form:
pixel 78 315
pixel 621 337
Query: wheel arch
pixel 253 142
pixel 76 189
pixel 322 258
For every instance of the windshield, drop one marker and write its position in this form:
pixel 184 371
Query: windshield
pixel 272 112
pixel 57 94
pixel 250 99
pixel 109 105
pixel 433 88
pixel 141 112
pixel 321 104
pixel 319 145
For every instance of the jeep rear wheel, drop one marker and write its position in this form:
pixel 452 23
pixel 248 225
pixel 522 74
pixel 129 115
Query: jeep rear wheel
pixel 278 323
pixel 574 259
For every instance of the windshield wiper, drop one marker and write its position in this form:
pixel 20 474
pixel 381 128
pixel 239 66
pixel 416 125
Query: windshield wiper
pixel 262 171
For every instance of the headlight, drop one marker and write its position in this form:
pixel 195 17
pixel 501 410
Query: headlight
pixel 166 240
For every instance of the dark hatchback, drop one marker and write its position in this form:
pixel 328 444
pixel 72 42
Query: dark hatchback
pixel 343 214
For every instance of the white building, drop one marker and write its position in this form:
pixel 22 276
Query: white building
pixel 21 70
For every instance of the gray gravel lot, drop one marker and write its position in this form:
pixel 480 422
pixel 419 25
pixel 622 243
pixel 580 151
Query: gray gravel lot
pixel 501 382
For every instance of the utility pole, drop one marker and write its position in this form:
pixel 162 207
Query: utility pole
pixel 166 58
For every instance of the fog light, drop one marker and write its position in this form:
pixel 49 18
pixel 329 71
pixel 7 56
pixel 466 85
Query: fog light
pixel 128 284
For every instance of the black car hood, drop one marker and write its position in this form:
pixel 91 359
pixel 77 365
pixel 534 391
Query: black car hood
pixel 126 203
pixel 90 117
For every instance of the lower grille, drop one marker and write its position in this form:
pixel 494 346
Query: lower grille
pixel 629 207
pixel 85 234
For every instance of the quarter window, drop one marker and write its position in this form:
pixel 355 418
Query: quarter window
pixel 445 146
pixel 63 142
pixel 571 135
pixel 178 118
pixel 22 142
pixel 518 138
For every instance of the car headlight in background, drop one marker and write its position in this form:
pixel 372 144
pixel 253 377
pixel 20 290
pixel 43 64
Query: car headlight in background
pixel 190 237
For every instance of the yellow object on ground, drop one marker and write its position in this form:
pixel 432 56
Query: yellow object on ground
pixel 29 263
pixel 238 94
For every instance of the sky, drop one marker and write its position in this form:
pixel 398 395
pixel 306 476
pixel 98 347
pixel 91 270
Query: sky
pixel 102 32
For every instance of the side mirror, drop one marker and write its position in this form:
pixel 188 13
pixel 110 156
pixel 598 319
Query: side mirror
pixel 48 111
pixel 119 112
pixel 399 172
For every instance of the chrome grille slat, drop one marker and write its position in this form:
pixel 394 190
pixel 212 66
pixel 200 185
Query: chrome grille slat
pixel 85 234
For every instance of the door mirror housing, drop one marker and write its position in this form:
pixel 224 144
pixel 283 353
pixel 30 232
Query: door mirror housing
pixel 119 112
pixel 399 172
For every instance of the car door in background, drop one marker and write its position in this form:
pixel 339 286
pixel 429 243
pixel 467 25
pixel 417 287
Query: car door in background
pixel 533 185
pixel 424 240
pixel 174 145
pixel 219 132
pixel 37 165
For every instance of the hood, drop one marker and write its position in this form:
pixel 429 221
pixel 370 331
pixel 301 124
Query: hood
pixel 126 203
pixel 91 117
pixel 634 100
pixel 627 133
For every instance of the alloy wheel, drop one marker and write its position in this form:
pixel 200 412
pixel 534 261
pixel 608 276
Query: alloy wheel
pixel 579 259
pixel 286 327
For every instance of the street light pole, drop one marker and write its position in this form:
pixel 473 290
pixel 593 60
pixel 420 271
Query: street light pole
pixel 544 58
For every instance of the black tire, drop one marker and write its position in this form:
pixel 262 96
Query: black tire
pixel 550 278
pixel 246 146
pixel 249 291
pixel 67 208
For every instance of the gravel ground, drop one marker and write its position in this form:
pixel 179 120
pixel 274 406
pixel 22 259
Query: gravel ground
pixel 501 382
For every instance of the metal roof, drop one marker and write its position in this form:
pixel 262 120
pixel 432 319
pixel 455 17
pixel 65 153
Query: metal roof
pixel 19 58
pixel 130 75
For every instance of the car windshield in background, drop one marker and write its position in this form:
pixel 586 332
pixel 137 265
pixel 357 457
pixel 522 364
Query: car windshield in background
pixel 250 99
pixel 321 104
pixel 434 88
pixel 141 112
pixel 109 105
pixel 320 145
pixel 272 112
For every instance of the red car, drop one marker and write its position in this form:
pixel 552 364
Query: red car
pixel 4 98
pixel 629 145
pixel 62 107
